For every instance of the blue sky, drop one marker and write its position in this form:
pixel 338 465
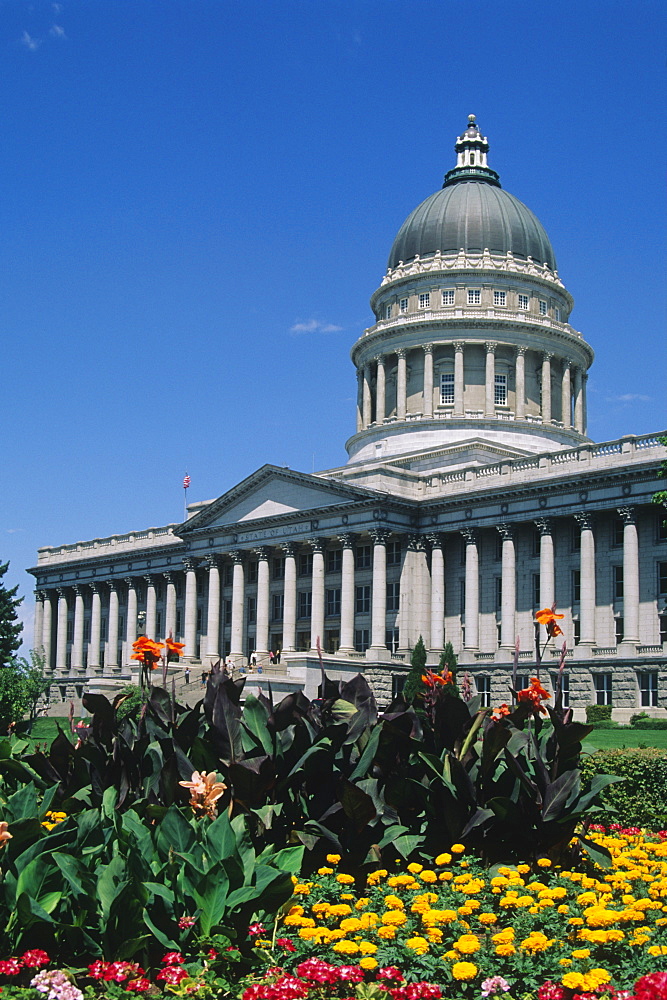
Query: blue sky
pixel 198 197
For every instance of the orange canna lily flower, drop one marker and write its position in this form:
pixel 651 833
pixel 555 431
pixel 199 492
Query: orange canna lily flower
pixel 535 694
pixel 431 679
pixel 204 793
pixel 5 835
pixel 547 617
pixel 499 712
pixel 174 647
pixel 146 650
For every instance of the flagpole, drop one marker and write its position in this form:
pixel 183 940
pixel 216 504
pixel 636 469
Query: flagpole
pixel 186 484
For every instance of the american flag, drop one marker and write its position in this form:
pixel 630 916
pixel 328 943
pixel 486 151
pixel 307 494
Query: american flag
pixel 186 482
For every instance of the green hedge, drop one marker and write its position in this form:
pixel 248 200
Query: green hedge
pixel 598 713
pixel 640 800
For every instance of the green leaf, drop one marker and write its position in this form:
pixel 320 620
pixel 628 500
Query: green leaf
pixel 212 899
pixel 405 845
pixel 357 805
pixel 22 804
pixel 290 859
pixel 72 871
pixel 30 911
pixel 110 883
pixel 597 853
pixel 164 940
pixel 559 793
pixel 174 833
pixel 255 717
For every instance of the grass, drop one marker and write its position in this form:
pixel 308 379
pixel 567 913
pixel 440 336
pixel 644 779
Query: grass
pixel 45 730
pixel 612 739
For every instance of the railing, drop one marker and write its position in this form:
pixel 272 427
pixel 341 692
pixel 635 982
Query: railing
pixel 467 312
pixel 604 651
pixel 649 649
pixel 485 656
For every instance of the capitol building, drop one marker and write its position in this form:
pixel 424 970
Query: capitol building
pixel 471 498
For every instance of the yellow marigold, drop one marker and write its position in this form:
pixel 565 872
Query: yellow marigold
pixel 505 950
pixel 464 911
pixel 656 950
pixel 434 934
pixel 573 980
pixel 543 863
pixel 393 902
pixel 596 978
pixel 443 859
pixel 333 859
pixel 325 871
pixel 536 942
pixel 347 895
pixel 344 879
pixel 297 910
pixel 346 947
pixel 350 924
pixel 369 920
pixel 302 889
pixel 395 918
pixel 457 849
pixel 439 917
pixel 368 964
pixel 464 970
pixel 565 961
pixel 386 933
pixel 445 877
pixel 367 947
pixel 428 876
pixel 418 944
pixel 375 876
pixel 340 910
pixel 467 944
pixel 487 918
pixel 451 956
pixel 507 934
pixel 523 869
pixel 321 935
pixel 472 887
pixel 362 903
pixel 581 953
pixel 415 868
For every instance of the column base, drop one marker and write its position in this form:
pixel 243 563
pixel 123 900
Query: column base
pixel 378 653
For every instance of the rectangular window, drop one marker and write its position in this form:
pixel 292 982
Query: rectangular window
pixel 576 628
pixel 425 300
pixel 662 623
pixel 536 542
pixel 363 599
pixel 557 314
pixel 662 579
pixel 403 305
pixel 661 533
pixel 447 389
pixel 335 561
pixel 523 301
pixel 86 630
pixel 575 538
pixel 302 641
pixel 305 604
pixel 499 592
pixel 483 685
pixel 394 554
pixel 387 312
pixel 522 682
pixel 499 298
pixel 279 569
pixel 362 639
pixel 448 297
pixel 603 689
pixel 252 572
pixel 364 556
pixel 333 601
pixel 543 307
pixel 617 572
pixel 500 390
pixel 619 626
pixel 565 687
pixel 158 624
pixel 200 588
pixel 277 607
pixel 393 596
pixel 648 689
pixel 391 639
pixel 617 531
pixel 251 610
pixel 228 575
pixel 178 621
pixel 306 564
pixel 474 296
pixel 227 611
pixel 200 620
pixel 576 586
pixel 536 590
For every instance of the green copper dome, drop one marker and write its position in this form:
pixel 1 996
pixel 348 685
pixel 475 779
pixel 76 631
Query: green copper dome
pixel 473 213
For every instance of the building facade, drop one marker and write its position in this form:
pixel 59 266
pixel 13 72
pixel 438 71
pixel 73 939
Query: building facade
pixel 471 498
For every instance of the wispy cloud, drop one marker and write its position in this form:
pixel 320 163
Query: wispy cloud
pixel 57 31
pixel 30 43
pixel 56 8
pixel 314 326
pixel 13 531
pixel 629 397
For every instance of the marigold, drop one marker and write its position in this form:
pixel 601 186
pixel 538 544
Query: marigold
pixel 368 964
pixel 464 970
pixel 344 879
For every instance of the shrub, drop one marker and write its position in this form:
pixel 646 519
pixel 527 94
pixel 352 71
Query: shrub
pixel 644 721
pixel 640 799
pixel 598 713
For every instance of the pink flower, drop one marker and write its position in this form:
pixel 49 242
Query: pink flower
pixel 390 972
pixel 256 929
pixel 286 944
pixel 550 991
pixel 34 958
pixel 318 971
pixel 652 987
pixel 350 973
pixel 97 969
pixel 186 922
pixel 416 991
pixel 172 958
pixel 11 967
pixel 172 974
pixel 138 985
pixel 494 985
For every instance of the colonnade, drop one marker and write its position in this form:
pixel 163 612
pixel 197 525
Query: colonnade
pixel 373 408
pixel 421 601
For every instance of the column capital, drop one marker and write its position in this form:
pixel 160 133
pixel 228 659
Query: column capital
pixel 458 345
pixel 78 589
pixel 262 552
pixel 317 544
pixel 129 581
pixel 628 514
pixel 237 556
pixel 470 535
pixel 567 363
pixel 544 525
pixel 547 355
pixel 40 595
pixel 413 542
pixel 401 352
pixel 112 584
pixel 189 564
pixel 379 359
pixel 491 346
pixel 379 535
pixel 212 560
pixel 506 531
pixel 521 351
pixel 435 539
pixel 289 548
pixel 584 519
pixel 427 348
pixel 347 539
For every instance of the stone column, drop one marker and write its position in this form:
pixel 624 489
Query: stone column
pixel 170 607
pixel 380 391
pixel 190 616
pixel 584 384
pixel 262 636
pixel 520 407
pixel 546 387
pixel 289 609
pixel 213 609
pixel 427 406
pixel 566 394
pixel 401 383
pixel 360 380
pixel 111 664
pixel 587 581
pixel 61 633
pixel 366 413
pixel 490 380
pixel 38 622
pixel 238 598
pixel 151 607
pixel 630 575
pixel 471 589
pixel 458 379
pixel 437 592
pixel 77 644
pixel 347 596
pixel 508 587
pixel 578 402
pixel 317 593
pixel 547 566
pixel 47 628
pixel 379 591
pixel 95 631
pixel 131 623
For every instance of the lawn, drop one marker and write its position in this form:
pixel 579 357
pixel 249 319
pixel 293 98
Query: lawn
pixel 45 730
pixel 612 739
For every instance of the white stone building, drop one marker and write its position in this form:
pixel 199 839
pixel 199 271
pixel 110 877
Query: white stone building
pixel 471 498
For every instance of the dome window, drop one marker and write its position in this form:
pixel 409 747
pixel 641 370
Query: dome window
pixel 403 305
pixel 425 300
pixel 557 314
pixel 523 302
pixel 447 389
pixel 474 296
pixel 500 390
pixel 387 312
pixel 448 297
pixel 500 298
pixel 543 307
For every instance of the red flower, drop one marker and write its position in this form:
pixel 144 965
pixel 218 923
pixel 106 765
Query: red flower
pixel 317 970
pixel 431 679
pixel 390 972
pixel 138 985
pixel 173 974
pixel 535 694
pixel 172 958
pixel 34 958
pixel 652 987
pixel 185 922
pixel 97 969
pixel 256 929
pixel 11 967
pixel 286 944
pixel 350 973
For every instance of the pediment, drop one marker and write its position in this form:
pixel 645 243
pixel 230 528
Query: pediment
pixel 272 492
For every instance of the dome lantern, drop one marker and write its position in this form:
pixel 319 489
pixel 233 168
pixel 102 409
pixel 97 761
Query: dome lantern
pixel 471 151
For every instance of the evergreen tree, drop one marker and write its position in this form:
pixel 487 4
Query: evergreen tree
pixel 10 626
pixel 448 661
pixel 413 682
